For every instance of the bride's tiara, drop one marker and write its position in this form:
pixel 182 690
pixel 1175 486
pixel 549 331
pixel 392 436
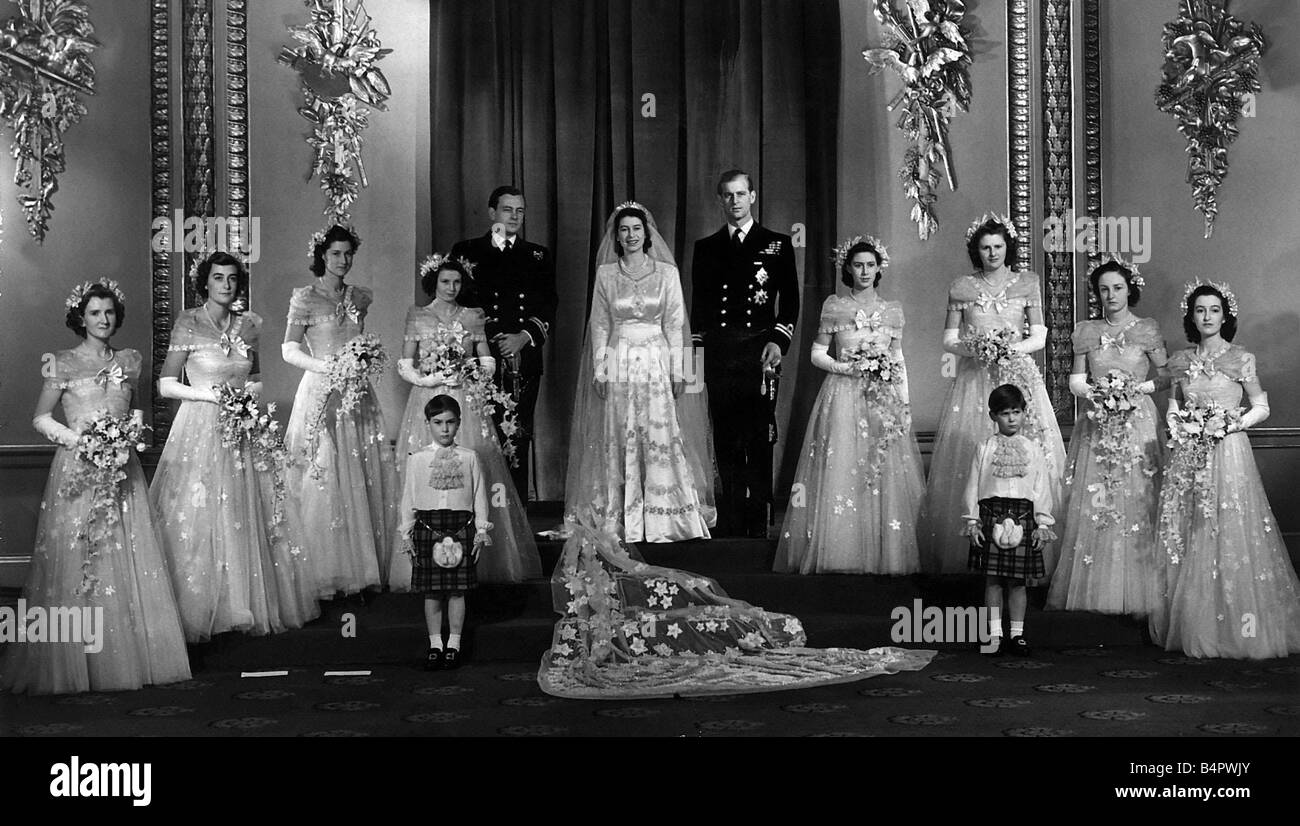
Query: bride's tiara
pixel 1002 220
pixel 1115 258
pixel 842 251
pixel 1221 286
pixel 628 205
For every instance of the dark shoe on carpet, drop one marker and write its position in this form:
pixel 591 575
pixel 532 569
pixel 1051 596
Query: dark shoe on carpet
pixel 1020 646
pixel 452 658
pixel 433 661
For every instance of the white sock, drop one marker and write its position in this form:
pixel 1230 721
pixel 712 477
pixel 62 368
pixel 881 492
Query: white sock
pixel 1017 628
pixel 995 622
pixel 453 641
pixel 435 641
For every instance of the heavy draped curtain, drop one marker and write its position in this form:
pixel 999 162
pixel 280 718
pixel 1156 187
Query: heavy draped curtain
pixel 586 103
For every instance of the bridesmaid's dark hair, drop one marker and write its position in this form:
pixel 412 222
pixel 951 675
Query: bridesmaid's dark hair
pixel 1006 397
pixel 429 281
pixel 73 320
pixel 846 274
pixel 632 212
pixel 334 233
pixel 1229 329
pixel 441 403
pixel 991 227
pixel 220 259
pixel 1134 291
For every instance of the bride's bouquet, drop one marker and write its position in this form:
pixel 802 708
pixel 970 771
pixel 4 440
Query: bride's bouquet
pixel 1194 433
pixel 1115 406
pixel 444 353
pixel 242 421
pixel 348 373
pixel 102 453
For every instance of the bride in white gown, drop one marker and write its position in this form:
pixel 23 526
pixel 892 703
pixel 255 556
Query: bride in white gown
pixel 639 451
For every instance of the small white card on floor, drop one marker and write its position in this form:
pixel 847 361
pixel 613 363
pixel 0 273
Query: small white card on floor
pixel 264 673
pixel 347 673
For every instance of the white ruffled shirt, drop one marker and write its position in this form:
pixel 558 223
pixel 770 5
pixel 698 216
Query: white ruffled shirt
pixel 1012 467
pixel 419 493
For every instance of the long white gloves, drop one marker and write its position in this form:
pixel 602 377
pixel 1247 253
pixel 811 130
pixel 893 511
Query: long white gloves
pixel 489 364
pixel 171 388
pixel 952 343
pixel 1257 413
pixel 254 388
pixel 293 353
pixel 1036 340
pixel 821 358
pixel 406 370
pixel 55 432
pixel 1079 385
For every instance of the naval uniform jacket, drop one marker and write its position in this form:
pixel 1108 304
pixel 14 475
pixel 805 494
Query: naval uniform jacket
pixel 515 289
pixel 753 291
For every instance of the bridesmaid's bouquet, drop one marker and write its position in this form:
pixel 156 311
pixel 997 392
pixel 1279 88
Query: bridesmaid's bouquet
pixel 102 453
pixel 1194 433
pixel 1115 406
pixel 242 422
pixel 444 352
pixel 992 348
pixel 348 374
pixel 880 366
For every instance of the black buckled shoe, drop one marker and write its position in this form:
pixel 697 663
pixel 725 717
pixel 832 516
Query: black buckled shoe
pixel 433 661
pixel 1020 646
pixel 451 659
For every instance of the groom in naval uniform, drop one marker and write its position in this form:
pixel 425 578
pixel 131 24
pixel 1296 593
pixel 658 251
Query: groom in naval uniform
pixel 514 283
pixel 745 299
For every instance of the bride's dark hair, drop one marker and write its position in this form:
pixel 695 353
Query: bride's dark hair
pixel 632 212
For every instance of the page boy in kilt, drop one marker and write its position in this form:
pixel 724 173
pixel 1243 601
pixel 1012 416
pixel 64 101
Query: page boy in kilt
pixel 444 514
pixel 1008 513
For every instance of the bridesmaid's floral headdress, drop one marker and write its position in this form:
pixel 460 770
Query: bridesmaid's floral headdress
pixel 1003 221
pixel 318 238
pixel 435 261
pixel 1221 286
pixel 1115 258
pixel 202 255
pixel 79 292
pixel 842 251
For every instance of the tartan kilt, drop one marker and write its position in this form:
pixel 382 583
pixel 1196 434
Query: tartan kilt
pixel 427 576
pixel 1022 562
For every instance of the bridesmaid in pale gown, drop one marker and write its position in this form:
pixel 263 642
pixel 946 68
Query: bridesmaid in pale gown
pixel 93 552
pixel 341 477
pixel 231 539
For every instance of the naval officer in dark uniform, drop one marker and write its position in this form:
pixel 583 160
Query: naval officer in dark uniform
pixel 514 283
pixel 745 299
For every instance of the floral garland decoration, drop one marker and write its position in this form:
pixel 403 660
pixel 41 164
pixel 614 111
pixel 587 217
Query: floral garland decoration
pixel 103 450
pixel 1211 64
pixel 929 50
pixel 336 59
pixel 44 68
pixel 842 251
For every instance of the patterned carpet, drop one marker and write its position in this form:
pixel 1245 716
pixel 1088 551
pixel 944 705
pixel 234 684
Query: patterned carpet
pixel 1126 691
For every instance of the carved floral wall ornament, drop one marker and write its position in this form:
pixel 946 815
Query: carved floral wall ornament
pixel 1211 63
pixel 336 60
pixel 44 68
pixel 927 47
